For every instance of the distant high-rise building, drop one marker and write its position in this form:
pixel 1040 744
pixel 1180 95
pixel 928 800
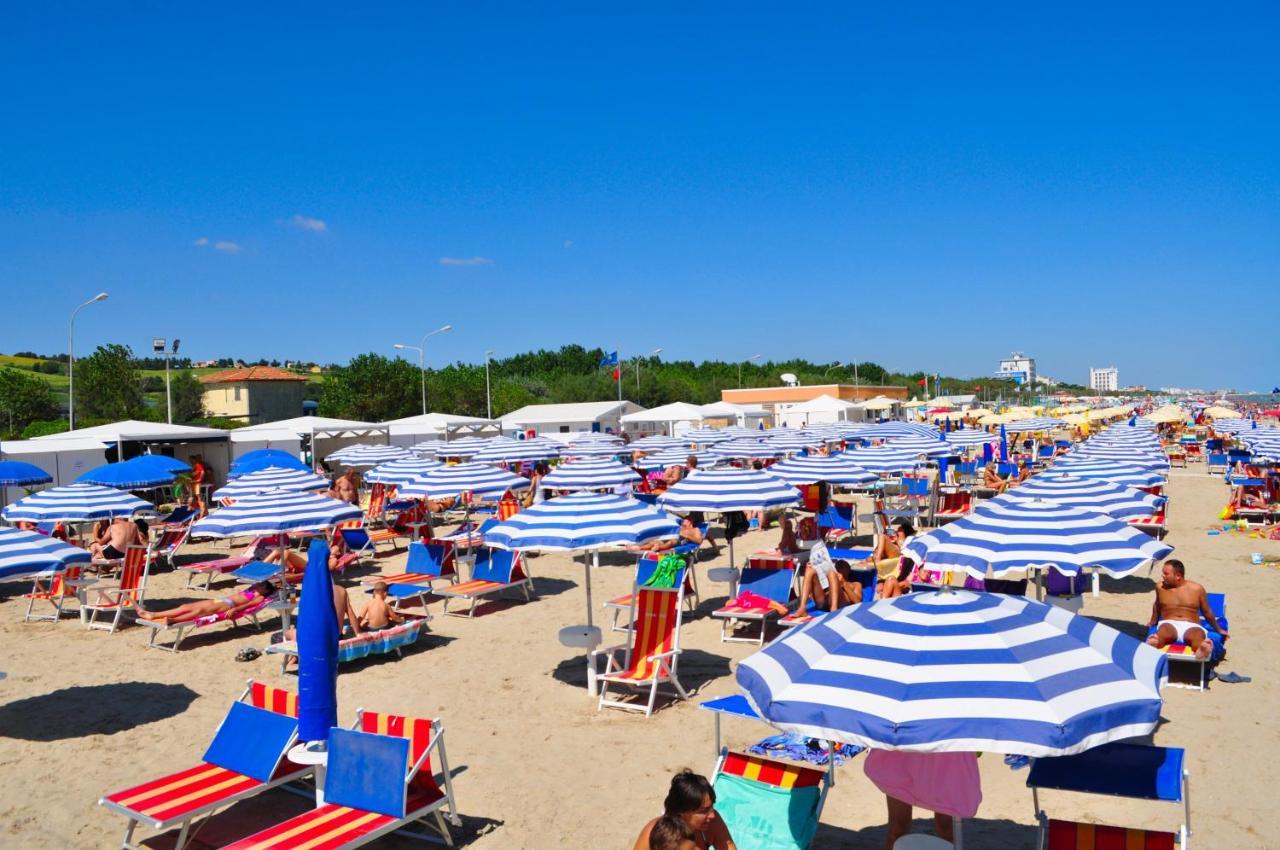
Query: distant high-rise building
pixel 1019 368
pixel 1104 379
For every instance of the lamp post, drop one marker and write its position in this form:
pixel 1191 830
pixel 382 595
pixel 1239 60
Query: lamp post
pixel 835 365
pixel 488 398
pixel 160 346
pixel 653 353
pixel 71 362
pixel 748 360
pixel 422 360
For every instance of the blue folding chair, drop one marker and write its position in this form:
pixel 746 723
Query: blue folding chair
pixel 1178 653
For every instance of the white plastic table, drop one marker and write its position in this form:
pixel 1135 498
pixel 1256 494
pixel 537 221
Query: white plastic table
pixel 313 753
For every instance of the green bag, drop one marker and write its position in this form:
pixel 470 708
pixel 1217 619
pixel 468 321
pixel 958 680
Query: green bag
pixel 664 574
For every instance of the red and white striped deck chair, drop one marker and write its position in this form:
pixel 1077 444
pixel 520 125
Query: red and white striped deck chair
pixel 182 798
pixel 114 599
pixel 55 590
pixel 651 656
pixel 169 540
pixel 375 511
pixel 362 799
pixel 646 564
pixel 953 506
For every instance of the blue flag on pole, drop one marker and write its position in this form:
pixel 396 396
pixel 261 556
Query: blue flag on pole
pixel 610 359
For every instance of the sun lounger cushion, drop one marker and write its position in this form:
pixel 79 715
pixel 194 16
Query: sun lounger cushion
pixel 365 644
pixel 171 798
pixel 367 772
pixel 256 571
pixel 769 808
pixel 250 741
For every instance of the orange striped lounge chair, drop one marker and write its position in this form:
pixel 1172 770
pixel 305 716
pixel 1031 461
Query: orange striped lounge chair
pixel 645 566
pixel 651 656
pixel 768 802
pixel 56 590
pixel 112 600
pixel 495 571
pixel 427 563
pixel 362 540
pixel 379 779
pixel 246 757
pixel 1133 771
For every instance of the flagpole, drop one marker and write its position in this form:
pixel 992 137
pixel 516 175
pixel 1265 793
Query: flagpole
pixel 617 370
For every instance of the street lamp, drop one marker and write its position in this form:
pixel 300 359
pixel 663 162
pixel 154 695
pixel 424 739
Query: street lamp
pixel 653 353
pixel 835 365
pixel 159 346
pixel 488 398
pixel 71 362
pixel 748 360
pixel 422 362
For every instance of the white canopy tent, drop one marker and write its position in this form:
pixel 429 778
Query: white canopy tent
pixel 410 430
pixel 324 435
pixel 822 410
pixel 669 419
pixel 727 413
pixel 130 437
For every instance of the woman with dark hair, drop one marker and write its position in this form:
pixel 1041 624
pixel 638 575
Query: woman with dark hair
pixel 692 800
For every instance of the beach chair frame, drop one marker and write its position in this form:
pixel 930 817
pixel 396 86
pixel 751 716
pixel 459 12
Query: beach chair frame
pixel 730 620
pixel 621 661
pixel 126 593
pixel 56 590
pixel 478 589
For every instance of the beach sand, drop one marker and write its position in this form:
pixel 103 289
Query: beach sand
pixel 535 765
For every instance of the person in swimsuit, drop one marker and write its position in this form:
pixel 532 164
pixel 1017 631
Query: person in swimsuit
pixel 689 533
pixel 887 555
pixel 185 613
pixel 377 613
pixel 692 800
pixel 116 538
pixel 1177 611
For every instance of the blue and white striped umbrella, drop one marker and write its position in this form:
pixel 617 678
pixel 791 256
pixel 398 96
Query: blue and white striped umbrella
pixel 1133 457
pixel 837 470
pixel 594 438
pixel 1035 423
pixel 75 503
pixel 582 521
pixel 969 438
pixel 958 672
pixel 275 512
pixel 679 457
pixel 25 553
pixel 517 451
pixel 706 436
pixel 271 478
pixel 722 490
pixel 1011 539
pixel 599 449
pixel 657 443
pixel 360 455
pixel 1150 446
pixel 884 460
pixel 1232 426
pixel 928 446
pixel 461 447
pixel 426 448
pixel 1114 500
pixel 888 430
pixel 589 475
pixel 747 449
pixel 1117 473
pixel 793 441
pixel 448 482
pixel 398 472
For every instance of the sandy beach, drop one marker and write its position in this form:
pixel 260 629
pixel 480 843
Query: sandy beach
pixel 535 765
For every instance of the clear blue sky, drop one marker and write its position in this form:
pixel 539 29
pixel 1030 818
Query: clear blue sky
pixel 928 187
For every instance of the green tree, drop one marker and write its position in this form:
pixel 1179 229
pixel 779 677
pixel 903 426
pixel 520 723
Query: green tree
pixel 372 388
pixel 108 384
pixel 24 399
pixel 188 396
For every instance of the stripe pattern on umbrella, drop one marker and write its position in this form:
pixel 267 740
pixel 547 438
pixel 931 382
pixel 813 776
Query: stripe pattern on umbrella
pixel 721 490
pixel 583 521
pixel 75 503
pixel 448 482
pixel 273 512
pixel 833 469
pixel 589 475
pixel 27 552
pixel 271 478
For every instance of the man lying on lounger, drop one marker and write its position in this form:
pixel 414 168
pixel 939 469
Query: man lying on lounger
pixel 233 603
pixel 1177 611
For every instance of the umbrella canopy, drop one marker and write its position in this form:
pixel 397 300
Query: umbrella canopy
pixel 657 443
pixel 401 471
pixel 679 457
pixel 263 459
pixel 884 460
pixel 888 430
pixel 582 521
pixel 594 438
pixel 1035 423
pixel 834 469
pixel 448 482
pixel 707 436
pixel 26 552
pixel 589 475
pixel 747 449
pixel 274 512
pixel 793 441
pixel 969 438
pixel 133 474
pixel 928 446
pixel 17 473
pixel 1008 539
pixel 1133 457
pixel 1219 412
pixel 427 448
pixel 271 478
pixel 721 490
pixel 359 455
pixel 960 672
pixel 318 636
pixel 1114 500
pixel 599 449
pixel 75 503
pixel 528 450
pixel 1117 473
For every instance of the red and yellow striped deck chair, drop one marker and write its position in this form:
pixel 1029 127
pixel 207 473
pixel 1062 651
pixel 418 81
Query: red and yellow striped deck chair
pixel 364 798
pixel 1067 835
pixel 181 798
pixel 112 600
pixel 55 590
pixel 652 654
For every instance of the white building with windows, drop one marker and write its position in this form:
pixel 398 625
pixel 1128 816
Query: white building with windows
pixel 1105 379
pixel 1018 367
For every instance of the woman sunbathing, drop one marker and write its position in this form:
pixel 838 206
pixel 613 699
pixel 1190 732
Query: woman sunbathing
pixel 233 604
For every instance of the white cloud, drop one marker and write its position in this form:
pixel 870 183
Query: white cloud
pixel 203 240
pixel 465 261
pixel 227 247
pixel 303 222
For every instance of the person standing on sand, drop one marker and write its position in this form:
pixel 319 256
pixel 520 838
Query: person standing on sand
pixel 1177 611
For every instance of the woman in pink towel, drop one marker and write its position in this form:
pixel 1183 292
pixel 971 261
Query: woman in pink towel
pixel 947 784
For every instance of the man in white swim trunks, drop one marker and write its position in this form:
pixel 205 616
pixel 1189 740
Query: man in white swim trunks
pixel 1177 611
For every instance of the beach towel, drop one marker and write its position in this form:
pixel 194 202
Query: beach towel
pixel 798 748
pixel 664 574
pixel 747 599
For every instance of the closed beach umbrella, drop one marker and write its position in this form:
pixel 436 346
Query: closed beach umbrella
pixel 448 482
pixel 264 459
pixel 957 671
pixel 837 470
pixel 885 460
pixel 1117 473
pixel 589 475
pixel 17 473
pixel 1013 538
pixel 271 478
pixel 368 455
pixel 27 552
pixel 275 512
pixel 318 636
pixel 75 503
pixel 1114 500
pixel 133 474
pixel 402 471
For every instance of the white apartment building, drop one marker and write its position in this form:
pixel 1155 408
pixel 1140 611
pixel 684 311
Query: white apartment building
pixel 1019 367
pixel 1104 379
